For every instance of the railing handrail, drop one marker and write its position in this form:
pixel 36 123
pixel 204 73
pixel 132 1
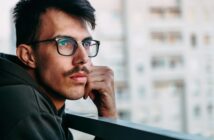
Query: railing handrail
pixel 108 129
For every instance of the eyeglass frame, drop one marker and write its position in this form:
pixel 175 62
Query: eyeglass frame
pixel 57 38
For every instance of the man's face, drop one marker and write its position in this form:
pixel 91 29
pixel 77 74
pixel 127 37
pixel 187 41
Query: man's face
pixel 62 74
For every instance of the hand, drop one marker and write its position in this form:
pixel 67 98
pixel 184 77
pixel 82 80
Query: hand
pixel 100 88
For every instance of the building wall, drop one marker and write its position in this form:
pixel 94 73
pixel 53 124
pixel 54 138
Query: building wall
pixel 166 61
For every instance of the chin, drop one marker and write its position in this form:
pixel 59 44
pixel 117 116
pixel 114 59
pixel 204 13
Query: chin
pixel 74 98
pixel 75 95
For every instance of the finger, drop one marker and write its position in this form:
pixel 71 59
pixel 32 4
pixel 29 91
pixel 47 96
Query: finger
pixel 92 84
pixel 91 95
pixel 102 87
pixel 89 86
pixel 100 78
pixel 95 85
pixel 97 78
pixel 101 72
pixel 99 68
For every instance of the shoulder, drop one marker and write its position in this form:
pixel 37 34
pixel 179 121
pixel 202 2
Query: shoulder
pixel 20 98
pixel 22 103
pixel 15 96
pixel 36 126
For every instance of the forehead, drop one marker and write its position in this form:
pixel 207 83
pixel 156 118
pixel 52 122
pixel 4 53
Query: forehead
pixel 55 22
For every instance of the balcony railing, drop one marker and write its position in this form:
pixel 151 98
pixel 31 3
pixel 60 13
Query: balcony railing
pixel 108 129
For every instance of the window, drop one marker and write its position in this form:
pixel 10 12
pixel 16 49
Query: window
pixel 169 62
pixel 157 12
pixel 158 62
pixel 158 37
pixel 210 91
pixel 166 37
pixel 121 90
pixel 141 91
pixel 140 68
pixel 207 39
pixel 165 11
pixel 208 68
pixel 210 109
pixel 175 61
pixel 174 37
pixel 197 111
pixel 171 87
pixel 124 114
pixel 174 12
pixel 179 88
pixel 193 40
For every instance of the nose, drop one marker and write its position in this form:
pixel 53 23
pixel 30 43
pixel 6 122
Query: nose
pixel 80 56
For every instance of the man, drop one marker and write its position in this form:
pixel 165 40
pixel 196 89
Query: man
pixel 53 63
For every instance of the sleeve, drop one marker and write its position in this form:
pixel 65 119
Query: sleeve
pixel 37 127
pixel 97 138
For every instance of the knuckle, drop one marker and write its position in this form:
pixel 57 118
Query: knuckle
pixel 109 71
pixel 109 75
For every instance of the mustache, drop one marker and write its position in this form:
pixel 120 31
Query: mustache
pixel 77 69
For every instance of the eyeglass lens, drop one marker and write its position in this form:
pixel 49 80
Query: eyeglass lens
pixel 68 46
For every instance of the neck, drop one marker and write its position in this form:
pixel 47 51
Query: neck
pixel 58 103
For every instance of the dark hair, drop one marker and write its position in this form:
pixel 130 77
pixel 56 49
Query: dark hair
pixel 27 15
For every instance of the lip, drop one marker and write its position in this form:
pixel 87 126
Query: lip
pixel 79 77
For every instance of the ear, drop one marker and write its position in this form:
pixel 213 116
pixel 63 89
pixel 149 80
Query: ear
pixel 26 54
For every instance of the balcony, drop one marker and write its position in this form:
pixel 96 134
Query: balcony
pixel 108 129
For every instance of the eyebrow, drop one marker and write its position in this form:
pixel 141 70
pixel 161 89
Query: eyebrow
pixel 86 38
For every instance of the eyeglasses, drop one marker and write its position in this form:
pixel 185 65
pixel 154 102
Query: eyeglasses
pixel 67 46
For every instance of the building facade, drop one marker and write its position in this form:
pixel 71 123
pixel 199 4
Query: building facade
pixel 162 55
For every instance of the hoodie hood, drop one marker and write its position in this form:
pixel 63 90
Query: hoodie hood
pixel 12 72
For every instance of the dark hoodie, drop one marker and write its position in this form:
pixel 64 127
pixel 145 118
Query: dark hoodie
pixel 26 113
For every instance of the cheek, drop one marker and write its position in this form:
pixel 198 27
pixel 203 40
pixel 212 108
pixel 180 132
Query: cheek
pixel 52 70
pixel 47 68
pixel 51 77
pixel 50 62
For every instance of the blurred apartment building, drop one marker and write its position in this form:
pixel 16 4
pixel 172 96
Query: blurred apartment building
pixel 162 52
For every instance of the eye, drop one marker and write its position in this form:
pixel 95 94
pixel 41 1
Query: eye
pixel 63 42
pixel 87 44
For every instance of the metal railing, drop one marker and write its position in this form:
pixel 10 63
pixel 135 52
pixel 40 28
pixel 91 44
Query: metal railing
pixel 108 129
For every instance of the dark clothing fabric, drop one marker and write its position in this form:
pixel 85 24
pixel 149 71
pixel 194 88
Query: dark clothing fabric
pixel 26 113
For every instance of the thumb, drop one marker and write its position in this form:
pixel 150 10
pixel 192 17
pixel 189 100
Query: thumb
pixel 92 96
